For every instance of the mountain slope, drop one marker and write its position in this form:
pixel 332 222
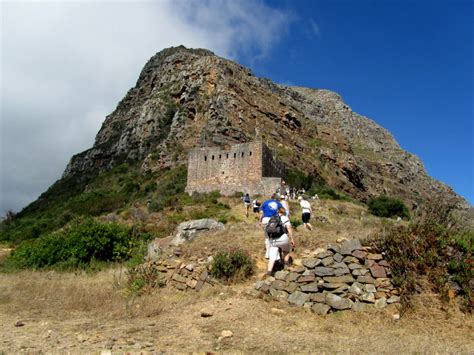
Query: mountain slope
pixel 189 97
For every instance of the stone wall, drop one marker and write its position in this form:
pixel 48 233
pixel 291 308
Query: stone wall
pixel 246 167
pixel 341 276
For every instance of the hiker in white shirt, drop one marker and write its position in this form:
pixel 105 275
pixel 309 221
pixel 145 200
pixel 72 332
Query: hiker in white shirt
pixel 305 212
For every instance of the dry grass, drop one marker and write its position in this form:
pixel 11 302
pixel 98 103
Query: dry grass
pixel 84 313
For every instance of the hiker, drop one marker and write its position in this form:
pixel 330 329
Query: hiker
pixel 280 246
pixel 256 206
pixel 305 212
pixel 285 205
pixel 246 199
pixel 267 210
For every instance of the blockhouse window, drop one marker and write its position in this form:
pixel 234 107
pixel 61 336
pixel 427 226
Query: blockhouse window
pixel 250 153
pixel 219 156
pixel 205 158
pixel 227 155
pixel 242 154
pixel 235 155
pixel 213 157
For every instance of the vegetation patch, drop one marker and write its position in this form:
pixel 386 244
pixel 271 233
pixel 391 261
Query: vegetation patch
pixel 385 206
pixel 432 245
pixel 232 266
pixel 78 245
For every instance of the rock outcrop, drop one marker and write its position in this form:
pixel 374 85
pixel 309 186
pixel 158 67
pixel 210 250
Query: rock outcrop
pixel 186 98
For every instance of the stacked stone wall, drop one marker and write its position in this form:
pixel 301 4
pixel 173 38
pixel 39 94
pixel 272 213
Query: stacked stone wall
pixel 341 276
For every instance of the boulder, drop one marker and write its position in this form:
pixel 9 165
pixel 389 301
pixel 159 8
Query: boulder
pixel 153 250
pixel 348 246
pixel 320 308
pixel 378 271
pixel 324 271
pixel 187 231
pixel 298 298
pixel 311 263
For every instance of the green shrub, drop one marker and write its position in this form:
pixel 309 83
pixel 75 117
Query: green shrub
pixel 385 206
pixel 232 266
pixel 77 246
pixel 433 245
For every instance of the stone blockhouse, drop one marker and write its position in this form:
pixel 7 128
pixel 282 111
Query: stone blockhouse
pixel 247 167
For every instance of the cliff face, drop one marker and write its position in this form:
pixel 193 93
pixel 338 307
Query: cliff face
pixel 187 98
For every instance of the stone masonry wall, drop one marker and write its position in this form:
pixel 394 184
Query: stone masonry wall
pixel 238 169
pixel 345 276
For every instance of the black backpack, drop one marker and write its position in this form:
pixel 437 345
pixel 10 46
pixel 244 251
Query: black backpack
pixel 275 228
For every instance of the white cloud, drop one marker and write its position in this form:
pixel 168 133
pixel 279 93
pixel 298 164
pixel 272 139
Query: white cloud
pixel 66 64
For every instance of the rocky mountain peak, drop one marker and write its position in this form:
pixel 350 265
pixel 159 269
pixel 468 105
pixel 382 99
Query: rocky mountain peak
pixel 186 98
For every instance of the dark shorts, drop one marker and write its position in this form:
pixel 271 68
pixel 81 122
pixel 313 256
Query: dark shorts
pixel 256 209
pixel 305 217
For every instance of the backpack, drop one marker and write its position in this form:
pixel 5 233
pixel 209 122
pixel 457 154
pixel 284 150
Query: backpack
pixel 275 228
pixel 247 199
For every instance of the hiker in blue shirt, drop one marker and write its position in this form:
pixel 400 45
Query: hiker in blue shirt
pixel 267 210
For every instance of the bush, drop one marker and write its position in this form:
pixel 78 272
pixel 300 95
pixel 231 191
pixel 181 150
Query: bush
pixel 385 206
pixel 433 245
pixel 77 246
pixel 232 266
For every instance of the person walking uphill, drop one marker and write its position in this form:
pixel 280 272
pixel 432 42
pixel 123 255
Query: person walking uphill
pixel 280 246
pixel 305 212
pixel 267 210
pixel 246 199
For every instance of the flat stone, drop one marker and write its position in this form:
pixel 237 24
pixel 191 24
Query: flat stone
pixel 324 271
pixel 379 294
pixel 318 297
pixel 292 287
pixel 338 302
pixel 327 261
pixel 306 278
pixel 259 284
pixel 332 285
pixel 298 298
pixel 299 269
pixel 338 257
pixel 378 271
pixel 312 287
pixel 393 299
pixel 334 248
pixel 380 303
pixel 384 263
pixel 279 295
pixel 324 254
pixel 348 246
pixel 277 311
pixel 359 254
pixel 339 265
pixel 360 272
pixel 320 308
pixel 308 305
pixel 279 285
pixel 264 289
pixel 374 256
pixel 339 279
pixel 355 290
pixel 292 276
pixel 342 289
pixel 191 283
pixel 350 260
pixel 366 279
pixel 311 263
pixel 354 266
pixel 281 275
pixel 368 297
pixel 370 288
pixel 178 278
pixel 181 286
pixel 369 263
pixel 308 272
pixel 204 275
pixel 226 334
pixel 189 267
pixel 340 271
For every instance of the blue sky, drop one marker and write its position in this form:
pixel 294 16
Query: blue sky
pixel 64 66
pixel 408 65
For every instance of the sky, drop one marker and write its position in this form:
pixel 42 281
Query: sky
pixel 64 65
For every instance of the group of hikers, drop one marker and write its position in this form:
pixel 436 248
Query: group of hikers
pixel 274 219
